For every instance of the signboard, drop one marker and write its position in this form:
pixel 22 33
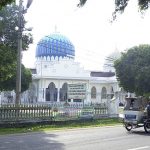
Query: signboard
pixel 87 113
pixel 77 91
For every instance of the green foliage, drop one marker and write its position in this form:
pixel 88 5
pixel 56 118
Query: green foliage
pixel 120 6
pixel 9 46
pixel 143 4
pixel 8 32
pixel 10 83
pixel 5 2
pixel 26 78
pixel 133 70
pixel 82 2
pixel 7 64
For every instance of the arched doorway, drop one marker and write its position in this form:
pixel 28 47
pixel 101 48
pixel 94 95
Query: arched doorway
pixel 63 92
pixel 51 93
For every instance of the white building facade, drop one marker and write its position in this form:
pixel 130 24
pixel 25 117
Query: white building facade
pixel 55 68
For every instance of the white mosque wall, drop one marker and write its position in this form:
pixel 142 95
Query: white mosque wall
pixel 38 88
pixel 60 71
pixel 111 100
pixel 42 84
pixel 61 68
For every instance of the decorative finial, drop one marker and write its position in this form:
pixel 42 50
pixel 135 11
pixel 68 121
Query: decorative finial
pixel 55 28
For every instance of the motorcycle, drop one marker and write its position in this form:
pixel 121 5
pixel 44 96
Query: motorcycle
pixel 135 115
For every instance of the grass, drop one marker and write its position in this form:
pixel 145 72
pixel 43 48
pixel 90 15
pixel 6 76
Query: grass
pixel 61 125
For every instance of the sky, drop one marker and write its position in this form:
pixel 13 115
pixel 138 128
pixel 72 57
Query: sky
pixel 88 28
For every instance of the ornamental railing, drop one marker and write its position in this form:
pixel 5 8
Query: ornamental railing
pixel 27 113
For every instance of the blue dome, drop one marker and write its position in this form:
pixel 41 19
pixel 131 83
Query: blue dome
pixel 55 45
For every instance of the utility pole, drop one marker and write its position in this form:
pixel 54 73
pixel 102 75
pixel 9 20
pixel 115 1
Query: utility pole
pixel 21 12
pixel 18 77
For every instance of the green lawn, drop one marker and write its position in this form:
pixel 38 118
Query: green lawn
pixel 61 125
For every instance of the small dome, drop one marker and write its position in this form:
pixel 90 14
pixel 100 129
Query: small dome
pixel 55 45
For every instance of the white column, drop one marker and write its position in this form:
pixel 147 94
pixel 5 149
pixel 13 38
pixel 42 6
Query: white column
pixel 44 94
pixel 88 93
pixel 58 95
pixel 40 92
pixel 88 96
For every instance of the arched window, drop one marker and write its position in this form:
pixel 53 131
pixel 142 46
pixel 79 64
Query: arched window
pixel 93 92
pixel 104 93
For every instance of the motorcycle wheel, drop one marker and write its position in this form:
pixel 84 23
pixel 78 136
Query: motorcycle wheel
pixel 147 127
pixel 128 126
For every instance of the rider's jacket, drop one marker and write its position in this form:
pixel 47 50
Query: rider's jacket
pixel 148 110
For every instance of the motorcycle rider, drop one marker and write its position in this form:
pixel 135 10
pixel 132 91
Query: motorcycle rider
pixel 148 110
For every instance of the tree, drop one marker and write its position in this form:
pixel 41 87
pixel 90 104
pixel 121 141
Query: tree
pixel 133 70
pixel 10 83
pixel 7 63
pixel 5 2
pixel 26 78
pixel 120 5
pixel 9 44
pixel 8 26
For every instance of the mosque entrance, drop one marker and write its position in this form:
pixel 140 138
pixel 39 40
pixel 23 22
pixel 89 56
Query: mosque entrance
pixel 63 92
pixel 51 93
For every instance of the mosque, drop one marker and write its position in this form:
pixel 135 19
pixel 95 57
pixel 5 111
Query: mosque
pixel 56 69
pixel 58 78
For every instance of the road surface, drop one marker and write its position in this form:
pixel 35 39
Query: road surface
pixel 98 138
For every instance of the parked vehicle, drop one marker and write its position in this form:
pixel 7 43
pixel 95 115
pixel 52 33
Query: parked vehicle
pixel 135 115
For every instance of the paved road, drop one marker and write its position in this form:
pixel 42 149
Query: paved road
pixel 103 138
